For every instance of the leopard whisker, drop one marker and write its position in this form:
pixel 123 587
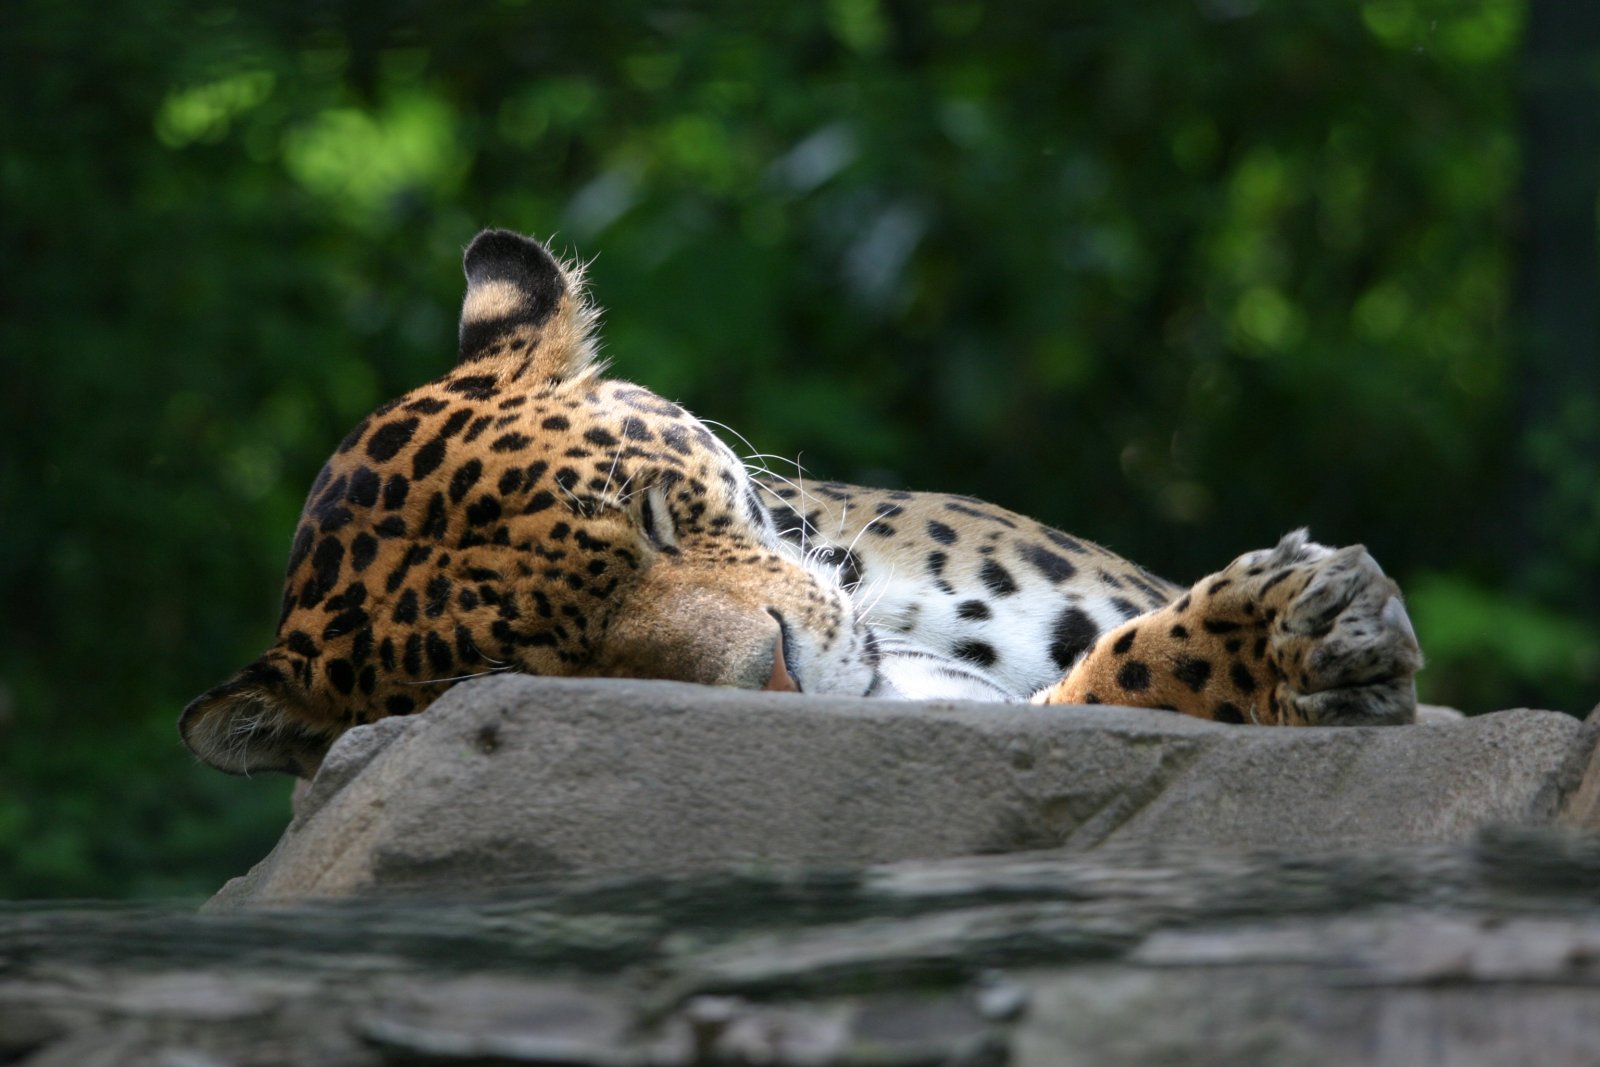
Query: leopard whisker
pixel 461 677
pixel 799 470
pixel 724 426
pixel 859 534
pixel 616 457
pixel 577 501
pixel 877 589
pixel 756 453
pixel 622 494
pixel 796 486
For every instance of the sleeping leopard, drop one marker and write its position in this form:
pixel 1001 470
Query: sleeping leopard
pixel 526 512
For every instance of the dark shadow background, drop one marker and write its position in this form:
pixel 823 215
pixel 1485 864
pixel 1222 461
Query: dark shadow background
pixel 1176 276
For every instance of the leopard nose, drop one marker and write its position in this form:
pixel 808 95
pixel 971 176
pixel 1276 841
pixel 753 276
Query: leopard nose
pixel 782 679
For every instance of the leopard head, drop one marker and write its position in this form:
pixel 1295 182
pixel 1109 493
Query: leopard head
pixel 525 513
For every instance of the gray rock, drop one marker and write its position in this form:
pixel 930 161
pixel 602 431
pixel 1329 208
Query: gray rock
pixel 1485 953
pixel 519 779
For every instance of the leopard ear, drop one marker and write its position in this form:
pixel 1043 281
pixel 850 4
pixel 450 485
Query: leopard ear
pixel 525 314
pixel 251 723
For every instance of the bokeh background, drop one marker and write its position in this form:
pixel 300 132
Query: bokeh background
pixel 1177 276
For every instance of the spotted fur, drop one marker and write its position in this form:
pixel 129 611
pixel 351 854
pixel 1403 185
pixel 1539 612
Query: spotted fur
pixel 527 513
pixel 1300 635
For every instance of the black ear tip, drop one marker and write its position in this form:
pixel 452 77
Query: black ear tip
pixel 501 255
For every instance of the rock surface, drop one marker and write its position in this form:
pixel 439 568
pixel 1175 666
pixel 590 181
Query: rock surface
pixel 657 875
pixel 1482 953
pixel 515 780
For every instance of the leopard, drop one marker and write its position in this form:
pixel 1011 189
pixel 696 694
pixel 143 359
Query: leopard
pixel 527 512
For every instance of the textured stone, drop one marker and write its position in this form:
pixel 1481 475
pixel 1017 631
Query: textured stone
pixel 1485 953
pixel 1579 781
pixel 520 779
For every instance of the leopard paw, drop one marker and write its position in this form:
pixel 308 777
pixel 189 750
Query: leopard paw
pixel 1299 634
pixel 1341 646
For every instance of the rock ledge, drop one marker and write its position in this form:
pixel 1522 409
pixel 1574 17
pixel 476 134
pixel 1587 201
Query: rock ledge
pixel 519 780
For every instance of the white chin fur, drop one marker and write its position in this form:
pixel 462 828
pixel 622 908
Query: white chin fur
pixel 910 672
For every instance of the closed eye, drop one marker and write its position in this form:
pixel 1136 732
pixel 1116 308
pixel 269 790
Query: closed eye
pixel 656 520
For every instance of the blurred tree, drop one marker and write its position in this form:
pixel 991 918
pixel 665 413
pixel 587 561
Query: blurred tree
pixel 1176 277
pixel 1553 512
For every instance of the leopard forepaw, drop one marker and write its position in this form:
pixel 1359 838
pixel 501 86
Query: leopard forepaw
pixel 1298 634
pixel 1342 643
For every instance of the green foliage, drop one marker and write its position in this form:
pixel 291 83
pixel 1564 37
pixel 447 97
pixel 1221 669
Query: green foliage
pixel 1500 649
pixel 1178 279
